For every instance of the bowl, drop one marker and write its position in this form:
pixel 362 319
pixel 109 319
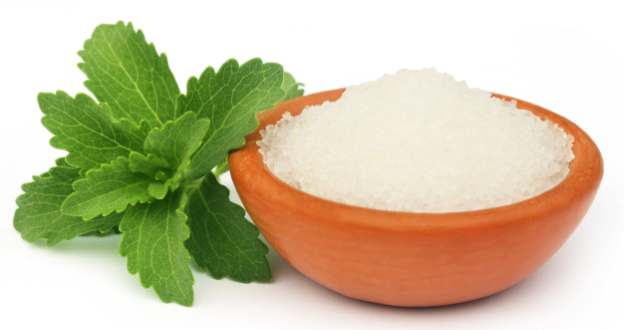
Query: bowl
pixel 413 259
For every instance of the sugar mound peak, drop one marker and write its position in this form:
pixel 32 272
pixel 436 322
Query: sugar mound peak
pixel 418 141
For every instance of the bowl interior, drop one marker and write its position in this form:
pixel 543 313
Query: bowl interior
pixel 585 173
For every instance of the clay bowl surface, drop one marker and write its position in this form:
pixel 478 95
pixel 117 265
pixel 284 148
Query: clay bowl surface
pixel 414 259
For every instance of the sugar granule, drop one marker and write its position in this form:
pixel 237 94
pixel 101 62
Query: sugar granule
pixel 418 141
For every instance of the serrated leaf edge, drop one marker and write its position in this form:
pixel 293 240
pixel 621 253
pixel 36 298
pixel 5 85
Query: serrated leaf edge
pixel 108 211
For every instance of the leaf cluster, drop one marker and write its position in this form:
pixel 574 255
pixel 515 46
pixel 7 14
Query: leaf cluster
pixel 140 161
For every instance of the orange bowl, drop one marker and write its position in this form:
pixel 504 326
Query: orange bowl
pixel 414 259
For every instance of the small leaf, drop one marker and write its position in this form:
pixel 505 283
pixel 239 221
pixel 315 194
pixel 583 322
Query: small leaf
pixel 110 188
pixel 161 175
pixel 175 142
pixel 157 190
pixel 153 236
pixel 149 165
pixel 127 73
pixel 230 98
pixel 221 239
pixel 39 209
pixel 87 130
pixel 291 87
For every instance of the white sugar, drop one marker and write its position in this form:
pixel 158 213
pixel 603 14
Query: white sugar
pixel 418 141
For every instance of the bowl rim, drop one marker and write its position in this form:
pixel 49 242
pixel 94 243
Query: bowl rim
pixel 251 173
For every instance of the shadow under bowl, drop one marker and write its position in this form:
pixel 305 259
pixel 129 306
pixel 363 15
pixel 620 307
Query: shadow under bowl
pixel 413 259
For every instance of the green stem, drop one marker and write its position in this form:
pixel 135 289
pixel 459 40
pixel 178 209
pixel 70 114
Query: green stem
pixel 221 168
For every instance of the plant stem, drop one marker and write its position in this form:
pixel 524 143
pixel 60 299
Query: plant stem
pixel 221 168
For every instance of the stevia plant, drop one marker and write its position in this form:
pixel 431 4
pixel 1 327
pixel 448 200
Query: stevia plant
pixel 140 162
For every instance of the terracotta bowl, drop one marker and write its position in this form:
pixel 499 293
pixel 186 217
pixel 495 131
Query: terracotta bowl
pixel 414 259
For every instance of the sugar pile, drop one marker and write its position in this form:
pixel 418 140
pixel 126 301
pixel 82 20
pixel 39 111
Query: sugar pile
pixel 418 141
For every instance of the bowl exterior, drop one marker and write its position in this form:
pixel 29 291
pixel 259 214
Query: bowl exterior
pixel 413 259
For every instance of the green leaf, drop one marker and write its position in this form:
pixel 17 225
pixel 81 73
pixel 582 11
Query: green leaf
pixel 291 87
pixel 176 142
pixel 110 188
pixel 87 130
pixel 39 209
pixel 127 73
pixel 230 98
pixel 222 240
pixel 158 190
pixel 153 236
pixel 149 164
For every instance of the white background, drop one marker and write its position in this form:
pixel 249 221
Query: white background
pixel 565 56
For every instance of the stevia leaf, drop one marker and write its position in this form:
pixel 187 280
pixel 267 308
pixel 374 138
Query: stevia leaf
pixel 149 164
pixel 175 142
pixel 39 213
pixel 291 87
pixel 127 73
pixel 158 190
pixel 230 98
pixel 153 236
pixel 110 188
pixel 87 130
pixel 221 239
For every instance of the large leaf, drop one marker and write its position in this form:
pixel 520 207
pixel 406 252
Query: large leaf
pixel 291 87
pixel 230 98
pixel 87 130
pixel 110 188
pixel 153 236
pixel 127 73
pixel 222 240
pixel 39 209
